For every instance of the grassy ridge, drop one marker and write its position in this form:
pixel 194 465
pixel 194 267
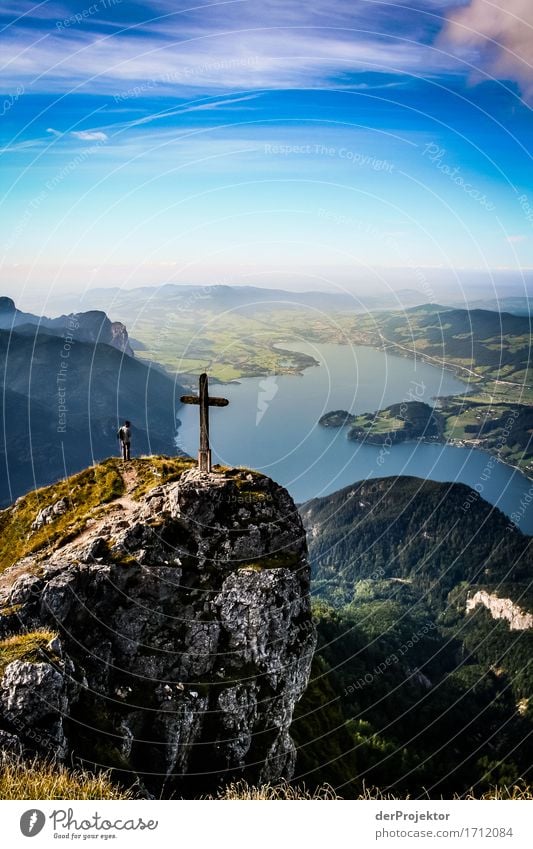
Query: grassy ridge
pixel 86 494
pixel 95 486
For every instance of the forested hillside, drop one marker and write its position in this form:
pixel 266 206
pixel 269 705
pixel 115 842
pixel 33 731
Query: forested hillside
pixel 412 691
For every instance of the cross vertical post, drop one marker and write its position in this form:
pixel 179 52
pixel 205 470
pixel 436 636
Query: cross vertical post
pixel 204 402
pixel 204 454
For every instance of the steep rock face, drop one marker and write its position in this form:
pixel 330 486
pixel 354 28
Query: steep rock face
pixel 185 636
pixel 119 338
pixel 502 608
pixel 92 326
pixel 95 326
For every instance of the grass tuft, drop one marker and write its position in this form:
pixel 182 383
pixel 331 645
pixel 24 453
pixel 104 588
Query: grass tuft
pixel 28 647
pixel 44 780
pixel 273 792
pixel 240 790
pixel 516 792
pixel 154 471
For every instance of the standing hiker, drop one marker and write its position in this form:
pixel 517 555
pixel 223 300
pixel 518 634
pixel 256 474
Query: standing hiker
pixel 124 434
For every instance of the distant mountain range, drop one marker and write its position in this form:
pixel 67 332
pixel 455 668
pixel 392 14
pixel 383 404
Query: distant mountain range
pixel 115 298
pixel 516 305
pixel 221 296
pixel 64 391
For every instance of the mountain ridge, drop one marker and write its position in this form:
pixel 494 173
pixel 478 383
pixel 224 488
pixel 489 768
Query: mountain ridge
pixel 91 326
pixel 70 399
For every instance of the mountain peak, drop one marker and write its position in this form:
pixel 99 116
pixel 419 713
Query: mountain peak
pixel 7 305
pixel 182 614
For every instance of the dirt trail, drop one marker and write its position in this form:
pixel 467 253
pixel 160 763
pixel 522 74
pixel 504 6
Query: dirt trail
pixel 122 505
pixel 130 478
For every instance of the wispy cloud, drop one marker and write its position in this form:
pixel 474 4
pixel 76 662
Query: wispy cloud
pixel 99 134
pixel 183 110
pixel 82 135
pixel 86 135
pixel 21 146
pixel 232 46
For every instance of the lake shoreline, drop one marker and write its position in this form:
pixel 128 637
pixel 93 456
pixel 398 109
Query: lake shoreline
pixel 271 424
pixel 451 443
pixel 396 350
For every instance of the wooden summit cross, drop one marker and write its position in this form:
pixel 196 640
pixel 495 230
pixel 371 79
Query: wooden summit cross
pixel 203 399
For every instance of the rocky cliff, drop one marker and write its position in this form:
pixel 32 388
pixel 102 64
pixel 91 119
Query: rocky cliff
pixel 167 635
pixel 502 608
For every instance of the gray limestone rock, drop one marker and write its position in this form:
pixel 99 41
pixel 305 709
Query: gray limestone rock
pixel 185 637
pixel 34 697
pixel 47 515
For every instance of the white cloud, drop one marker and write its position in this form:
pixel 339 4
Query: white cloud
pixel 89 135
pixel 82 135
pixel 501 32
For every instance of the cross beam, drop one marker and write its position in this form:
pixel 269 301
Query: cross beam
pixel 204 401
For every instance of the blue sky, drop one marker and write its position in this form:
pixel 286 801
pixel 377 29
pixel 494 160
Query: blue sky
pixel 277 143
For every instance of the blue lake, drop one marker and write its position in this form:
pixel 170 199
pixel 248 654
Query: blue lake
pixel 272 425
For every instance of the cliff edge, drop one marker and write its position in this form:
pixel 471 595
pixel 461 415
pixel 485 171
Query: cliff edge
pixel 166 634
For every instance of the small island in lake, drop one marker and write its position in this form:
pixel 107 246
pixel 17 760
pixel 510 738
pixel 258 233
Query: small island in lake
pixel 470 421
pixel 397 423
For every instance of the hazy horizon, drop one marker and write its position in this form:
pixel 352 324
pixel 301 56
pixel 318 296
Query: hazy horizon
pixel 312 146
pixel 436 286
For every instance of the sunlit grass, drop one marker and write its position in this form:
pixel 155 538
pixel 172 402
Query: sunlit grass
pixel 42 780
pixel 97 485
pixel 273 792
pixel 27 647
pixel 37 779
pixel 240 790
